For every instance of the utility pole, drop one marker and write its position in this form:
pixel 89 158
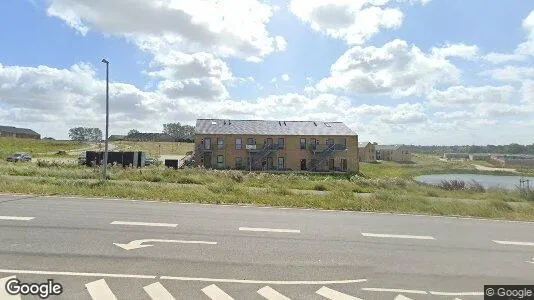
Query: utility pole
pixel 105 166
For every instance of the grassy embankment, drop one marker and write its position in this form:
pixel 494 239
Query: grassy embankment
pixel 391 184
pixel 40 148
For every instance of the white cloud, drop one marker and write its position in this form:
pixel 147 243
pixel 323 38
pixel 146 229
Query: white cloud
pixel 457 50
pixel 354 21
pixel 285 77
pixel 469 96
pixel 230 27
pixel 528 92
pixel 456 115
pixel 523 50
pixel 510 73
pixel 396 69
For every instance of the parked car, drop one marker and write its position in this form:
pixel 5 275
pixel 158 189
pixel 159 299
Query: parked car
pixel 19 157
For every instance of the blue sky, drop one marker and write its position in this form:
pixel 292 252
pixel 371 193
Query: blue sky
pixel 397 71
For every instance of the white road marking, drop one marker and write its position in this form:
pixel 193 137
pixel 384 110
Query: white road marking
pixel 395 291
pixel 157 291
pixel 269 230
pixel 334 295
pixel 143 224
pixel 270 294
pixel 215 293
pixel 402 297
pixel 11 218
pixel 76 274
pixel 276 282
pixel 457 294
pixel 4 295
pixel 99 290
pixel 514 243
pixel 398 236
pixel 139 243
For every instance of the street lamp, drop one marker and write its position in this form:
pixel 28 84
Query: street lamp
pixel 104 176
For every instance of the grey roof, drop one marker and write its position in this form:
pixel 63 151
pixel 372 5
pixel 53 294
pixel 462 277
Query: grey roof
pixel 363 144
pixel 388 147
pixel 268 127
pixel 16 130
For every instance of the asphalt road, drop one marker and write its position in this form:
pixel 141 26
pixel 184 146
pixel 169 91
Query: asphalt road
pixel 97 249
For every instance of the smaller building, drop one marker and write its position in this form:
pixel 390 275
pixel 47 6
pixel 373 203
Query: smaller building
pixel 150 137
pixel 397 153
pixel 116 137
pixel 24 133
pixel 512 160
pixel 479 156
pixel 456 156
pixel 366 152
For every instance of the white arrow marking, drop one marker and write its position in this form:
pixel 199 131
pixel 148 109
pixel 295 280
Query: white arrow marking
pixel 215 293
pixel 16 218
pixel 398 236
pixel 530 262
pixel 269 293
pixel 395 291
pixel 156 291
pixel 401 297
pixel 99 290
pixel 139 243
pixel 514 243
pixel 457 294
pixel 143 224
pixel 3 292
pixel 334 295
pixel 269 230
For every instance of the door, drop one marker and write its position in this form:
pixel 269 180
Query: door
pixel 207 161
pixel 303 165
pixel 269 163
pixel 331 164
pixel 344 165
pixel 269 141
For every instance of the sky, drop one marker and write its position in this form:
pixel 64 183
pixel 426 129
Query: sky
pixel 423 72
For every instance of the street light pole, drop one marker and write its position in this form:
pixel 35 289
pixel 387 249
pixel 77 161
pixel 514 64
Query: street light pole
pixel 104 175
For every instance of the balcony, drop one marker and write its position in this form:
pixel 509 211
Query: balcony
pixel 324 147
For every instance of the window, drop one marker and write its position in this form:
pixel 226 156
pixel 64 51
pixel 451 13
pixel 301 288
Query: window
pixel 220 159
pixel 251 141
pixel 207 143
pixel 302 144
pixel 269 141
pixel 220 143
pixel 238 144
pixel 313 143
pixel 329 142
pixel 344 142
pixel 281 163
pixel 238 163
pixel 281 143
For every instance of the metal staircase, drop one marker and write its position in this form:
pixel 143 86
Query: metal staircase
pixel 322 156
pixel 262 154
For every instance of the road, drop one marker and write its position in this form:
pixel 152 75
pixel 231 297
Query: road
pixel 123 249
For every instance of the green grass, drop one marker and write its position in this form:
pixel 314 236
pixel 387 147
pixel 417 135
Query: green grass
pixel 391 183
pixel 37 148
pixel 156 148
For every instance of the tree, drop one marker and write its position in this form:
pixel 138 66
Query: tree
pixel 133 131
pixel 84 134
pixel 179 131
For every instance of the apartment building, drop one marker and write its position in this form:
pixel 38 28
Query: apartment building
pixel 397 153
pixel 276 145
pixel 366 152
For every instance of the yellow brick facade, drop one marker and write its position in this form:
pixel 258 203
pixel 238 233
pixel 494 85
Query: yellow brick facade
pixel 225 155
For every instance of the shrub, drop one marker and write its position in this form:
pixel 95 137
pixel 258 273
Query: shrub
pixel 475 186
pixel 48 164
pixel 452 185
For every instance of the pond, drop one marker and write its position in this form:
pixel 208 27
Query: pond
pixel 488 181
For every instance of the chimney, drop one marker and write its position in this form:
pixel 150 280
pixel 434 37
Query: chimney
pixel 285 123
pixel 279 123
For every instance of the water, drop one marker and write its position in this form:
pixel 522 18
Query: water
pixel 488 181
